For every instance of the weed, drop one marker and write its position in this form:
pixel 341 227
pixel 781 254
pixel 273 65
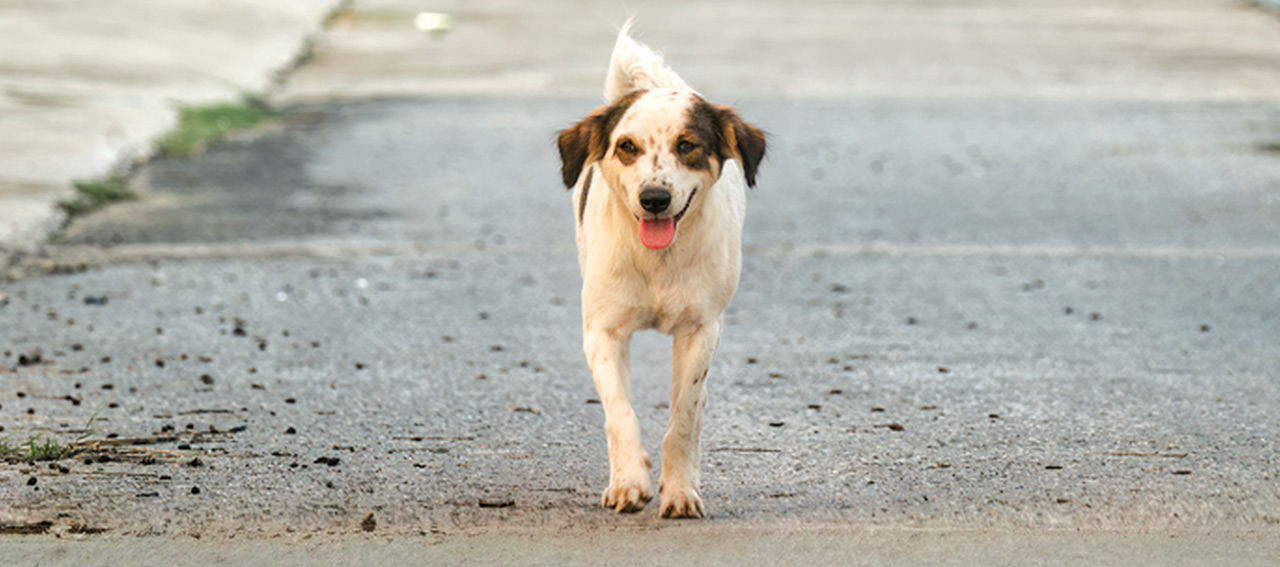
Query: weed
pixel 93 195
pixel 41 448
pixel 37 448
pixel 197 125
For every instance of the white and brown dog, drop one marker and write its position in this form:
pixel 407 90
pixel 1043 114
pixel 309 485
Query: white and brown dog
pixel 659 179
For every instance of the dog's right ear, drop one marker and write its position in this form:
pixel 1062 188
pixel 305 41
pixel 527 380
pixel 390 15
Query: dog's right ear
pixel 583 142
pixel 588 140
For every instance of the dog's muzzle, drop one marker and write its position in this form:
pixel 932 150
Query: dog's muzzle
pixel 658 233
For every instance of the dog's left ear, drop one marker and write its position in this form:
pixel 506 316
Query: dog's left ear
pixel 741 140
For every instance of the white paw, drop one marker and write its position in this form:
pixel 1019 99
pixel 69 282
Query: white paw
pixel 681 503
pixel 627 496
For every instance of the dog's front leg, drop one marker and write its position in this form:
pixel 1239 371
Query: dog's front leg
pixel 691 353
pixel 608 354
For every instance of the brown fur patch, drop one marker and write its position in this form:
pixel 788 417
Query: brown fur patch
pixel 625 154
pixel 699 379
pixel 588 140
pixel 703 132
pixel 582 199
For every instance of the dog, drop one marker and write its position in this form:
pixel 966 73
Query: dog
pixel 659 178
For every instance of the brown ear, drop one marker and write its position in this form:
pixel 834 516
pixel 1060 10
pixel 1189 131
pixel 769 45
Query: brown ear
pixel 742 141
pixel 588 140
pixel 577 145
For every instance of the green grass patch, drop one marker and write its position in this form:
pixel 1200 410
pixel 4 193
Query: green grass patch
pixel 198 125
pixel 38 447
pixel 93 195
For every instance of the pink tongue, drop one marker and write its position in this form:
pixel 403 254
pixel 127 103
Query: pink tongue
pixel 657 234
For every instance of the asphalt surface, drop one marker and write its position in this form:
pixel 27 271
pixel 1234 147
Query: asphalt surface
pixel 935 332
pixel 996 319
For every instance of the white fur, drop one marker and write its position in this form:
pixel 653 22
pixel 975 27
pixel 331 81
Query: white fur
pixel 633 66
pixel 681 290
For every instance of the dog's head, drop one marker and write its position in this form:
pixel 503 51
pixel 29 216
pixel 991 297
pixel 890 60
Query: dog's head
pixel 660 151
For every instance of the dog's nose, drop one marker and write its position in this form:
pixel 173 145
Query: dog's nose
pixel 655 200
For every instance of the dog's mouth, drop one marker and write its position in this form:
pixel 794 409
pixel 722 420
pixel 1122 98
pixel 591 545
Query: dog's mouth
pixel 657 234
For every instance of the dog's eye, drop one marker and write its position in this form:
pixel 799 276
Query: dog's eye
pixel 686 146
pixel 627 147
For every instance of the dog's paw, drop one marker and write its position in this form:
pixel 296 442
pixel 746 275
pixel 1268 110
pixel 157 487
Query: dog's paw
pixel 627 497
pixel 683 503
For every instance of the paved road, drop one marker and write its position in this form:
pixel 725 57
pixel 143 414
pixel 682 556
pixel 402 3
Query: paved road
pixel 1005 310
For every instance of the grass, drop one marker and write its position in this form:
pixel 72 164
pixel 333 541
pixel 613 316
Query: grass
pixel 197 125
pixel 93 195
pixel 38 447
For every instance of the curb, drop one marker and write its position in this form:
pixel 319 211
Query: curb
pixel 113 81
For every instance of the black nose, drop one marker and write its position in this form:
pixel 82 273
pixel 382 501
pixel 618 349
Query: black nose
pixel 655 200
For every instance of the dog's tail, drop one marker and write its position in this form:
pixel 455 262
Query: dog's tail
pixel 634 67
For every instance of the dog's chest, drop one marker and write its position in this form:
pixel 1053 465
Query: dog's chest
pixel 675 294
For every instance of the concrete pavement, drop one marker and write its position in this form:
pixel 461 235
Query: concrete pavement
pixel 1220 50
pixel 86 86
pixel 674 544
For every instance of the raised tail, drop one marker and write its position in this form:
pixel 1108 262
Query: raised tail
pixel 634 67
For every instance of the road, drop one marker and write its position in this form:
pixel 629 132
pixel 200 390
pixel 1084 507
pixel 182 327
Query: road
pixel 986 304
